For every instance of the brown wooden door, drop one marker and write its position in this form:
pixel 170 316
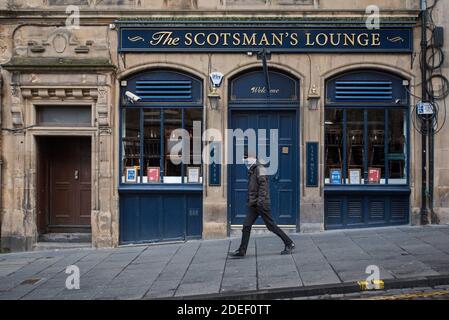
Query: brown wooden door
pixel 69 168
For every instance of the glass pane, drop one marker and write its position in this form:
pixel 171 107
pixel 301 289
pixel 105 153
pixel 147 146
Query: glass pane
pixel 152 145
pixel 173 146
pixel 131 145
pixel 354 145
pixel 193 117
pixel 64 115
pixel 376 146
pixel 397 147
pixel 333 145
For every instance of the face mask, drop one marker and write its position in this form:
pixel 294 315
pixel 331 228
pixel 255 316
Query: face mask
pixel 249 162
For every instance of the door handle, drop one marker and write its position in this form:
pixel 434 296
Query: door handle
pixel 76 174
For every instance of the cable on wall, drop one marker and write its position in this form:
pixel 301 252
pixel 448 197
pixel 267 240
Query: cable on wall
pixel 434 61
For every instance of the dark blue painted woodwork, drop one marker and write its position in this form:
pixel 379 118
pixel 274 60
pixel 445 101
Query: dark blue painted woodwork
pixel 164 87
pixel 283 184
pixel 160 212
pixel 160 216
pixel 215 164
pixel 312 164
pixel 251 88
pixel 365 208
pixel 249 37
pixel 256 111
pixel 365 205
pixel 368 87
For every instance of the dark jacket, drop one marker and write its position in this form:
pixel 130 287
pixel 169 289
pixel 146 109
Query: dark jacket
pixel 258 187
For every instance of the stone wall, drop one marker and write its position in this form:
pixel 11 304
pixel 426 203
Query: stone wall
pixel 43 55
pixel 441 190
pixel 211 4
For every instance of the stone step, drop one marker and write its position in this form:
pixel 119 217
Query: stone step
pixel 43 246
pixel 66 237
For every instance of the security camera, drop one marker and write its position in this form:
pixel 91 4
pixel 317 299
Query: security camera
pixel 398 101
pixel 132 97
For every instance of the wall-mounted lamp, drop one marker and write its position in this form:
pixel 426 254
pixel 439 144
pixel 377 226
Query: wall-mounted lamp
pixel 214 98
pixel 313 98
pixel 216 78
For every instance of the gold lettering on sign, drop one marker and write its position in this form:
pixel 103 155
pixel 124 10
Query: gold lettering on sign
pixel 335 42
pixel 376 39
pixel 263 90
pixel 308 43
pixel 188 39
pixel 212 39
pixel 294 39
pixel 164 38
pixel 322 39
pixel 197 39
pixel 247 41
pixel 225 38
pixel 278 39
pixel 350 38
pixel 363 40
pixel 264 41
pixel 236 39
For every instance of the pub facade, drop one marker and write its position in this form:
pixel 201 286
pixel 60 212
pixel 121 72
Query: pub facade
pixel 92 112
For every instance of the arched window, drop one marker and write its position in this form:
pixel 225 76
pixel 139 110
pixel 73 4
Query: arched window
pixel 250 87
pixel 366 129
pixel 160 111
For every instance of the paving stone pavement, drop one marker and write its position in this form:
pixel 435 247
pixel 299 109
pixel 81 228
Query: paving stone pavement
pixel 203 267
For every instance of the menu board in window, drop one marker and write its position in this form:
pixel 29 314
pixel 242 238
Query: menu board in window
pixel 354 176
pixel 193 174
pixel 373 175
pixel 335 176
pixel 131 174
pixel 153 174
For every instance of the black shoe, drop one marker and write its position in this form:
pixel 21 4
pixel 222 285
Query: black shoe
pixel 237 254
pixel 288 248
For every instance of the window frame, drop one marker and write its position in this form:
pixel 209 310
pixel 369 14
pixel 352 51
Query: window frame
pixel 364 173
pixel 37 108
pixel 160 102
pixel 366 96
pixel 162 145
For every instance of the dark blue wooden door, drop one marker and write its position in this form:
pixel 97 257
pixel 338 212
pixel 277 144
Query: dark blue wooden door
pixel 284 183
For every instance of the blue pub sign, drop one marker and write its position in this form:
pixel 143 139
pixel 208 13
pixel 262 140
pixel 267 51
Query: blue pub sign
pixel 143 38
pixel 312 164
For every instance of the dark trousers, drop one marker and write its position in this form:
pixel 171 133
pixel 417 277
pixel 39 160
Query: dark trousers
pixel 251 217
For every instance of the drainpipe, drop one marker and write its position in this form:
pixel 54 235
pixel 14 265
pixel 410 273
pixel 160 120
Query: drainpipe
pixel 425 122
pixel 1 160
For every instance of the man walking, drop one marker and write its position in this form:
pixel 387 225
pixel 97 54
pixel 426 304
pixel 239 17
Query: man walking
pixel 259 204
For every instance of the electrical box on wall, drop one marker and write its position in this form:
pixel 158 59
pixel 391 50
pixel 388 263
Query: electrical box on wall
pixel 438 37
pixel 424 108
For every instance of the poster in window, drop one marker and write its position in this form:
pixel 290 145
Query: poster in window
pixel 193 174
pixel 131 174
pixel 154 174
pixel 354 176
pixel 373 175
pixel 335 176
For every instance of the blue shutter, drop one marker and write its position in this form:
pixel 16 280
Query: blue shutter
pixel 164 90
pixel 364 90
pixel 367 86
